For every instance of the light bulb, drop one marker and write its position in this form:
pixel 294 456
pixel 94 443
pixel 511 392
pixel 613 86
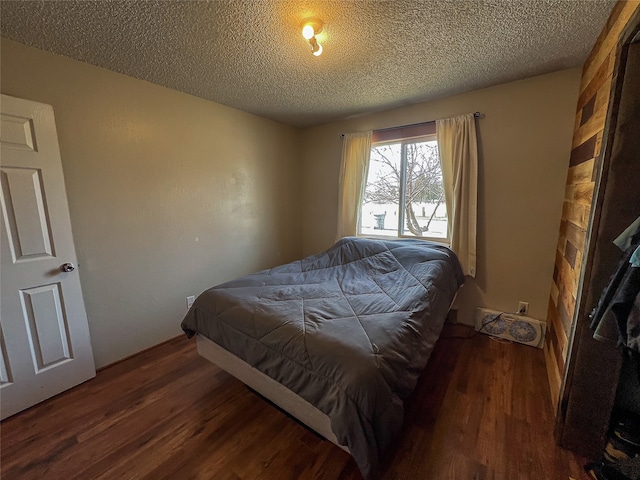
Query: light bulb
pixel 308 31
pixel 318 51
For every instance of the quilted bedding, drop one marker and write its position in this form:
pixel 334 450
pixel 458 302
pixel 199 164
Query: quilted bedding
pixel 349 330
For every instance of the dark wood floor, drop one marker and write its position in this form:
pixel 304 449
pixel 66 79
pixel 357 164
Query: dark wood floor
pixel 481 411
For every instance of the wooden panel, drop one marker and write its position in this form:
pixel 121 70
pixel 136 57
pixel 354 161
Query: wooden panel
pixel 553 373
pixel 583 195
pixel 556 324
pixel 580 173
pixel 575 235
pixel 558 263
pixel 568 193
pixel 603 73
pixel 562 244
pixel 557 354
pixel 594 124
pixel 608 39
pixel 598 152
pixel 587 110
pixel 578 269
pixel 583 152
pixel 598 46
pixel 576 213
pixel 554 292
pixel 566 294
pixel 566 284
pixel 570 254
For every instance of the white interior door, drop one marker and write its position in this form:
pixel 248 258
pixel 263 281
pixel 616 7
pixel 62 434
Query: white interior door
pixel 44 335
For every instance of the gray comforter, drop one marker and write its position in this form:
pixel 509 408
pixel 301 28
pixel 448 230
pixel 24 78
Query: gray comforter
pixel 349 330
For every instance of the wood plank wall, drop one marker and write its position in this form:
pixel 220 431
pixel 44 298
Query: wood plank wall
pixel 591 114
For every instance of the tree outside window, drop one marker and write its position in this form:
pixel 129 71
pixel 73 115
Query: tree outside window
pixel 404 195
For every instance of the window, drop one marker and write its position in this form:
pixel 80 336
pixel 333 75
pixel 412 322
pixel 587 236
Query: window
pixel 404 195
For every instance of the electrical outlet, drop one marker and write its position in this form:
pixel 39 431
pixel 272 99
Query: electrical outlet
pixel 190 300
pixel 523 308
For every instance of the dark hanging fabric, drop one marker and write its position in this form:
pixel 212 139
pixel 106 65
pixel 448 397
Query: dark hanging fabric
pixel 616 318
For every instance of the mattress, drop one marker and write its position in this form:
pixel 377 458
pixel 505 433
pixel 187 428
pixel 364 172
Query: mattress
pixel 349 330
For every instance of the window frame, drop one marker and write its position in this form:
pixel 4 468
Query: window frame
pixel 425 137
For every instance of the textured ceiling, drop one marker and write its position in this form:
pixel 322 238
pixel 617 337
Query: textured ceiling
pixel 377 54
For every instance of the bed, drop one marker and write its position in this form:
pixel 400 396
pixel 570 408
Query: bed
pixel 337 339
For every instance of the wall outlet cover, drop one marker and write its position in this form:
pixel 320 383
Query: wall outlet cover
pixel 190 300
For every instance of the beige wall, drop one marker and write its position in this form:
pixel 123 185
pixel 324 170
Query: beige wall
pixel 169 194
pixel 525 140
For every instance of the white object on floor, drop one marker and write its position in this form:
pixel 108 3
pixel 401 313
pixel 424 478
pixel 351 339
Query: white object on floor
pixel 510 326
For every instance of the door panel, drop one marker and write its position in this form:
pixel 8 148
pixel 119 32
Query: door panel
pixel 17 132
pixel 25 214
pixel 45 344
pixel 46 326
pixel 5 373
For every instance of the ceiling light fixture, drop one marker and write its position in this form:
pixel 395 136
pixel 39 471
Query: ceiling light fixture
pixel 310 28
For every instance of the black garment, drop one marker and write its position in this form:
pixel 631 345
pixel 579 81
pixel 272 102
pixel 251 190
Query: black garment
pixel 618 312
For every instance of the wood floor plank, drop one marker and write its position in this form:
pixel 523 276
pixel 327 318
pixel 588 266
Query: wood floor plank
pixel 481 410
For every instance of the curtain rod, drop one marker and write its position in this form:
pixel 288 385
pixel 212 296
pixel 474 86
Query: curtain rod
pixel 475 114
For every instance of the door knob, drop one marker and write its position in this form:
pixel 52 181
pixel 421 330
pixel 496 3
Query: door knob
pixel 67 267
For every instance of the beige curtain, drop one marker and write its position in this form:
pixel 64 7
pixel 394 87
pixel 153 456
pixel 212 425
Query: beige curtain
pixel 458 149
pixel 356 149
